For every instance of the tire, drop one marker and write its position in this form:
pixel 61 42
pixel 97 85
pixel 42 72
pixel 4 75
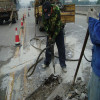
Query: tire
pixel 14 20
pixel 1 22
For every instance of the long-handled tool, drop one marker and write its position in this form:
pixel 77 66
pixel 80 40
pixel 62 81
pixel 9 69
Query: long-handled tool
pixel 51 50
pixel 81 55
pixel 52 57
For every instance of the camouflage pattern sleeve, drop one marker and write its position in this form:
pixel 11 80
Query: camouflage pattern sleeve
pixel 58 22
pixel 46 27
pixel 53 25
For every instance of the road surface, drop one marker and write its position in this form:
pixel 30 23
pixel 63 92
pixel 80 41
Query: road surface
pixel 15 61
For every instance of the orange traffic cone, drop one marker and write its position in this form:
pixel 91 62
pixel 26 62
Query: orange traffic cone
pixel 21 23
pixel 28 14
pixel 17 41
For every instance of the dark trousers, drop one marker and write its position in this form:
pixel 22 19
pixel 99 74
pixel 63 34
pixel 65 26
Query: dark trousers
pixel 61 50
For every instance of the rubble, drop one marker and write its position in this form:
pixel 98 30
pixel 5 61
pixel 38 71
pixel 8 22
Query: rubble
pixel 51 79
pixel 46 88
pixel 78 91
pixel 58 98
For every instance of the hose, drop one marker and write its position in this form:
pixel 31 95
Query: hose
pixel 54 55
pixel 33 45
pixel 37 61
pixel 34 65
pixel 87 59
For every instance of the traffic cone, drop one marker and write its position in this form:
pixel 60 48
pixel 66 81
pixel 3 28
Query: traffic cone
pixel 17 41
pixel 21 23
pixel 28 14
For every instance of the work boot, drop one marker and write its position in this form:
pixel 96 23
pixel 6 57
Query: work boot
pixel 44 66
pixel 64 69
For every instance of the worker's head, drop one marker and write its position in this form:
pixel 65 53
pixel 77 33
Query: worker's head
pixel 47 9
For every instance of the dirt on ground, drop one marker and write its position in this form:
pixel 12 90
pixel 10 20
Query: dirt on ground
pixel 78 91
pixel 45 89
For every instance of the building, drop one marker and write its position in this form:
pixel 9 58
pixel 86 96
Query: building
pixel 31 3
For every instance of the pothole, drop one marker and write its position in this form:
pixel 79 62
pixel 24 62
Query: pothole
pixel 78 91
pixel 58 98
pixel 46 88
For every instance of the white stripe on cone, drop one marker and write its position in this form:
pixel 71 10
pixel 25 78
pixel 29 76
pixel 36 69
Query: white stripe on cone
pixel 17 41
pixel 21 22
pixel 16 31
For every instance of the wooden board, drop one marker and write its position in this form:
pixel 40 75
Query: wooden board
pixel 67 19
pixel 67 13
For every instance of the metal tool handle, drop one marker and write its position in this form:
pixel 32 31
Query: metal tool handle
pixel 81 55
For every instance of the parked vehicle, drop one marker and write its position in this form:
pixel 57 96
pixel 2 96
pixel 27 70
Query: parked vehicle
pixel 8 11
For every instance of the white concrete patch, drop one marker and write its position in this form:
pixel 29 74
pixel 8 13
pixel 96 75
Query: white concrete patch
pixel 82 27
pixel 10 88
pixel 4 83
pixel 26 57
pixel 70 40
pixel 23 57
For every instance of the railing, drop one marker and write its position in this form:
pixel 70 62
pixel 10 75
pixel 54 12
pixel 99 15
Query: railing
pixel 83 9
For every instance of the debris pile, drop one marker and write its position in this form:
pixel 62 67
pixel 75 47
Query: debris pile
pixel 46 88
pixel 52 79
pixel 78 91
pixel 58 98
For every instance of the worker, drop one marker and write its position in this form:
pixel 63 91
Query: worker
pixel 53 27
pixel 94 83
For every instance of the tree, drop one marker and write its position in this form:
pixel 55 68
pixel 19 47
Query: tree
pixel 98 2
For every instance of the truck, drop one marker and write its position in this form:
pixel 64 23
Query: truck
pixel 67 11
pixel 8 11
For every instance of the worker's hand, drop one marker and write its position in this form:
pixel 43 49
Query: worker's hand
pixel 51 41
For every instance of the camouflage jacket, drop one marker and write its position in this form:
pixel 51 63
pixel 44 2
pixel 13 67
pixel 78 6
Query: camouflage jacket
pixel 53 25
